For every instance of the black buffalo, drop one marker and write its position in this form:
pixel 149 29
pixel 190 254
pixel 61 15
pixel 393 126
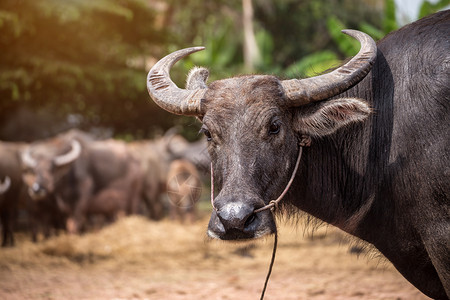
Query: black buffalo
pixel 84 177
pixel 375 140
pixel 10 188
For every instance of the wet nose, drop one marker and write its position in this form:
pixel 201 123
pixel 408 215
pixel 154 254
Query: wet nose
pixel 236 216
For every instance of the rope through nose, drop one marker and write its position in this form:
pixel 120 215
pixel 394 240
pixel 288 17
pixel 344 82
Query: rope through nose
pixel 273 204
pixel 272 261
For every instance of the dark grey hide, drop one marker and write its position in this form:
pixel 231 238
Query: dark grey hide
pixel 378 164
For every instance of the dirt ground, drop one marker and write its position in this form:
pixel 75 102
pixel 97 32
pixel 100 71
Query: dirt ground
pixel 139 259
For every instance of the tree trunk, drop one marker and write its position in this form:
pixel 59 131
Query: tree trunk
pixel 251 51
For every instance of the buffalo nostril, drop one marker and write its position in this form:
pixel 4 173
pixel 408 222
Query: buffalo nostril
pixel 235 215
pixel 251 218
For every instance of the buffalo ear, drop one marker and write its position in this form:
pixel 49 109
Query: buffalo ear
pixel 197 78
pixel 326 117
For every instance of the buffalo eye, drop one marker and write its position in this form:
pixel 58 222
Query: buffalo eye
pixel 274 127
pixel 207 134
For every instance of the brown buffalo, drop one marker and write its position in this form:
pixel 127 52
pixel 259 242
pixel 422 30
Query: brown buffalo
pixel 77 171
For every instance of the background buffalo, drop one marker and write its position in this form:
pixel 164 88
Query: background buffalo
pixel 12 195
pixel 74 181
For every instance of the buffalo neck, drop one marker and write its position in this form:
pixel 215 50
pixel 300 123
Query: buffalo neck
pixel 343 179
pixel 350 179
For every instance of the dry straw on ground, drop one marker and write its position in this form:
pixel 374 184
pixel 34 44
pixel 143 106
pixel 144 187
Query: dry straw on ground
pixel 139 259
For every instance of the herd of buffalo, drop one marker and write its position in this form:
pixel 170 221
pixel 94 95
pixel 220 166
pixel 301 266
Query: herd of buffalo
pixel 73 180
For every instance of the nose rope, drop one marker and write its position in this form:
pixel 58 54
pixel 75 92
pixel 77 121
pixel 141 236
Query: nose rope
pixel 272 261
pixel 273 204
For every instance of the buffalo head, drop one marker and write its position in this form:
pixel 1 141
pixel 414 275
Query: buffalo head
pixel 45 163
pixel 254 126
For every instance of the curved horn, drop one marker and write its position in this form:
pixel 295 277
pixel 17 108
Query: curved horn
pixel 70 156
pixel 4 186
pixel 304 91
pixel 27 159
pixel 166 94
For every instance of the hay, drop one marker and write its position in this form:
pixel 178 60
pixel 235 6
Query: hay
pixel 139 258
pixel 131 239
pixel 136 240
pixel 164 244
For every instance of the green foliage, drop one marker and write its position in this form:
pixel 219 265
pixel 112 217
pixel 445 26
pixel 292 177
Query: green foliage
pixel 267 47
pixel 428 8
pixel 374 32
pixel 318 62
pixel 346 45
pixel 389 22
pixel 299 28
pixel 221 47
pixel 206 23
pixel 341 46
pixel 84 62
pixel 312 64
pixel 78 57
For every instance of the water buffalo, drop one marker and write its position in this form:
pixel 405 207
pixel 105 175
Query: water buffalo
pixel 10 188
pixel 84 176
pixel 41 212
pixel 374 134
pixel 154 161
pixel 156 157
pixel 44 215
pixel 195 152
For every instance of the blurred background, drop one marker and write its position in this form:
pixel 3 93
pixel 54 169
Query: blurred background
pixel 83 64
pixel 73 90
